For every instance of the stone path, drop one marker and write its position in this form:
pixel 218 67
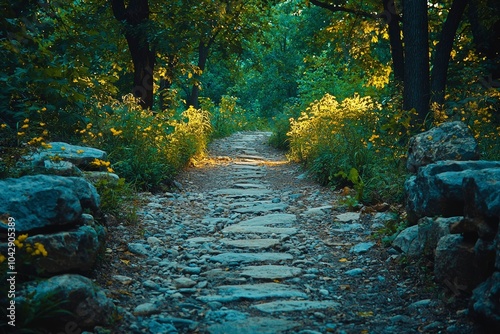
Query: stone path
pixel 252 246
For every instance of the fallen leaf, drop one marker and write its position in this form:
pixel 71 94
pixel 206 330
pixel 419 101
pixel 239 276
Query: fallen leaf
pixel 366 314
pixel 343 260
pixel 125 261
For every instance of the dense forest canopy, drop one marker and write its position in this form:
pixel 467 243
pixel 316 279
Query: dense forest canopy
pixel 399 66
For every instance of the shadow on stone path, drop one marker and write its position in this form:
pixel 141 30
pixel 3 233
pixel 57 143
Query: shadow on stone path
pixel 251 246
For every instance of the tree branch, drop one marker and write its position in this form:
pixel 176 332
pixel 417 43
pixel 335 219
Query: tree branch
pixel 336 8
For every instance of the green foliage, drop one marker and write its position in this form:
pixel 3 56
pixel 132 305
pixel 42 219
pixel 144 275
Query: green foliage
pixel 117 199
pixel 146 149
pixel 229 117
pixel 343 145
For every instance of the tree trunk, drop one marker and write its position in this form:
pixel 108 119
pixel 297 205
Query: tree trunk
pixel 416 92
pixel 203 50
pixel 136 14
pixel 443 51
pixel 392 18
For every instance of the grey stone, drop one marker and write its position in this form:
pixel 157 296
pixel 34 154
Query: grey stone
pixel 184 282
pixel 249 186
pixel 146 309
pixel 61 168
pixel 263 207
pixel 254 325
pixel 251 243
pixel 482 193
pixel 321 210
pixel 156 327
pixel 259 229
pixel 484 303
pixel 270 271
pixel 68 251
pixel 295 305
pixel 454 263
pixel 138 248
pixel 86 303
pixel 243 192
pixel 448 141
pixel 46 201
pixel 78 155
pixel 347 217
pixel 96 177
pixel 430 230
pixel 125 280
pixel 270 219
pixel 229 293
pixel 408 241
pixel 437 189
pixel 251 257
pixel 225 315
pixel 354 272
pixel 362 247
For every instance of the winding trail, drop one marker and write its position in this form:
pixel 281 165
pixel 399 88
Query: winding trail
pixel 250 245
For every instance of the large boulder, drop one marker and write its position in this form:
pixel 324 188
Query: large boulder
pixel 86 304
pixel 485 304
pixel 431 230
pixel 68 251
pixel 448 141
pixel 482 193
pixel 455 263
pixel 80 156
pixel 45 202
pixel 437 189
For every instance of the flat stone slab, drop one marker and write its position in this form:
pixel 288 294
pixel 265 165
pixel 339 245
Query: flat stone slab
pixel 251 157
pixel 251 243
pixel 319 210
pixel 243 192
pixel 259 229
pixel 295 305
pixel 270 271
pixel 230 293
pixel 198 240
pixel 362 247
pixel 253 325
pixel 248 174
pixel 251 257
pixel 348 217
pixel 249 186
pixel 246 165
pixel 270 219
pixel 259 208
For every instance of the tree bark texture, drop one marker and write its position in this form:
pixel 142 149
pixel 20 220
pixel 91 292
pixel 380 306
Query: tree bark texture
pixel 416 91
pixel 135 16
pixel 392 18
pixel 203 51
pixel 443 50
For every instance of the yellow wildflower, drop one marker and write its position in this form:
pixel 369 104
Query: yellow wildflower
pixel 26 120
pixel 3 126
pixel 42 124
pixel 20 133
pixel 40 249
pixel 25 126
pixel 63 148
pixel 110 170
pixel 22 237
pixel 116 132
pixel 80 151
pixel 2 258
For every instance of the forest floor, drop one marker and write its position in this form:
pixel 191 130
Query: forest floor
pixel 250 244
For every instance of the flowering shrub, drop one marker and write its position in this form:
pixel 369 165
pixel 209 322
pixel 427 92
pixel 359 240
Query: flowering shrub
pixel 144 147
pixel 343 143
